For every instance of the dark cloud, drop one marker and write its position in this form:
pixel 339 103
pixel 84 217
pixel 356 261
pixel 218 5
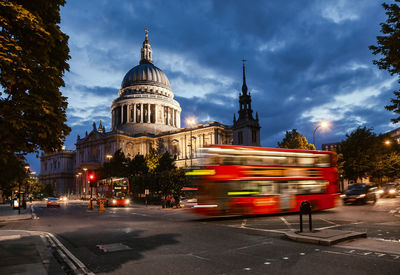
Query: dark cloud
pixel 301 55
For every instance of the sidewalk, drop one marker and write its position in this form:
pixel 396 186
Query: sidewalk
pixel 324 237
pixel 347 239
pixel 25 253
pixel 7 213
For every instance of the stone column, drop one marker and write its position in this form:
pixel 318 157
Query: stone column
pixel 156 113
pixel 122 114
pixel 134 113
pixel 148 113
pixel 141 113
pixel 162 114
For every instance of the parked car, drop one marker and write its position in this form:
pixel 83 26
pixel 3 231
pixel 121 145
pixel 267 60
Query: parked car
pixel 360 193
pixel 389 190
pixel 53 202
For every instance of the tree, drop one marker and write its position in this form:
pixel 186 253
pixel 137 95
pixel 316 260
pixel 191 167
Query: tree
pixel 152 159
pixel 33 55
pixel 389 47
pixel 12 172
pixel 359 151
pixel 295 140
pixel 116 167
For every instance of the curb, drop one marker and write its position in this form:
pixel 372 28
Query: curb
pixel 344 236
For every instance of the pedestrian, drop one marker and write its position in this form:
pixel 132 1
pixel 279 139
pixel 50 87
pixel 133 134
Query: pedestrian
pixel 177 201
pixel 169 201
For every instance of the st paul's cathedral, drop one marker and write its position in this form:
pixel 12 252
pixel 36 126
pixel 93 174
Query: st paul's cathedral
pixel 145 114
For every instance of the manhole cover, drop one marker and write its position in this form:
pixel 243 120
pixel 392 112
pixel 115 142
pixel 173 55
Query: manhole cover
pixel 113 247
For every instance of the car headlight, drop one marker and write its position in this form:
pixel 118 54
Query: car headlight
pixel 126 201
pixel 391 191
pixel 380 192
pixel 361 196
pixel 114 201
pixel 342 195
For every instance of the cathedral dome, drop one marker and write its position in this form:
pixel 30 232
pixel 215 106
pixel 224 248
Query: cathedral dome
pixel 146 74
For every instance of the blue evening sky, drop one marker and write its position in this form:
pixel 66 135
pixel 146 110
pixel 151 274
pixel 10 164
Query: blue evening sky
pixel 307 61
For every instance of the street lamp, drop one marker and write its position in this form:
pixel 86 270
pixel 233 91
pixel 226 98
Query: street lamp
pixel 84 181
pixel 191 122
pixel 387 142
pixel 323 125
pixel 109 157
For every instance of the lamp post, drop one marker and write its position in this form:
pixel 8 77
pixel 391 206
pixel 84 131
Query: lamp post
pixel 19 191
pixel 191 122
pixel 323 125
pixel 84 180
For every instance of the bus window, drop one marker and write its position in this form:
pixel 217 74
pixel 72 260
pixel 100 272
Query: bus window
pixel 311 186
pixel 268 187
pixel 302 161
pixel 323 161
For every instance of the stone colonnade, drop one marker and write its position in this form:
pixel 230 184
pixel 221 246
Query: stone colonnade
pixel 145 113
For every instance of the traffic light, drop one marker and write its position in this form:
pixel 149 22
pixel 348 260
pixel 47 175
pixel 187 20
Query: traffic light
pixel 92 179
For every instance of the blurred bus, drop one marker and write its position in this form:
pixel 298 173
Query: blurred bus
pixel 113 191
pixel 242 180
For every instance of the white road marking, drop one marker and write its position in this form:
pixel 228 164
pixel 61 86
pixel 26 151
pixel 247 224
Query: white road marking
pixel 247 268
pixel 10 237
pixel 328 221
pixel 285 258
pixel 286 222
pixel 302 254
pixel 327 227
pixel 257 229
pixel 334 252
pixel 54 242
pixel 267 263
pixel 190 254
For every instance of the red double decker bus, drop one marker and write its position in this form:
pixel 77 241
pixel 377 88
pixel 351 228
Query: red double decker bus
pixel 113 191
pixel 242 180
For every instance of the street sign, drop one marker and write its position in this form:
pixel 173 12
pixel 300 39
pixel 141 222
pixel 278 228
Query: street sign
pixel 146 191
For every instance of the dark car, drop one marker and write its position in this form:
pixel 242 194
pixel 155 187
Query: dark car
pixel 359 193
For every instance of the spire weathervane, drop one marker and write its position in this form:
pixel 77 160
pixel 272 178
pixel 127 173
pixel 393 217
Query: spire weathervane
pixel 146 34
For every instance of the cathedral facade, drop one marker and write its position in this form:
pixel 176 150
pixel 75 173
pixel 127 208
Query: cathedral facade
pixel 144 115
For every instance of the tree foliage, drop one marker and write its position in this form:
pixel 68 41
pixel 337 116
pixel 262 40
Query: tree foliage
pixel 116 167
pixel 33 55
pixel 155 171
pixel 12 172
pixel 388 46
pixel 364 154
pixel 295 140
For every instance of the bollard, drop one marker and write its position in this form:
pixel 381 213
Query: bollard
pixel 102 209
pixel 305 208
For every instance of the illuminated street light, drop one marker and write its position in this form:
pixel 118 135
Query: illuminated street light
pixel 387 142
pixel 109 157
pixel 191 122
pixel 323 125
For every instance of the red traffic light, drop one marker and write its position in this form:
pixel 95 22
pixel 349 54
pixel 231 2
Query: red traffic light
pixel 92 177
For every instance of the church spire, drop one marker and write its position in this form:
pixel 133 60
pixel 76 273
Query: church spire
pixel 244 86
pixel 146 51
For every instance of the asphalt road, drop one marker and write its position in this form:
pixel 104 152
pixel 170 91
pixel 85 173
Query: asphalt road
pixel 140 240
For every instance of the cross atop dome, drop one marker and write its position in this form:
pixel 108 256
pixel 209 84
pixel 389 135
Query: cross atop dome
pixel 146 51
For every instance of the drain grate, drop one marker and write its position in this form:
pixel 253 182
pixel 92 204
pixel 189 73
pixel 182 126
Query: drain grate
pixel 113 247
